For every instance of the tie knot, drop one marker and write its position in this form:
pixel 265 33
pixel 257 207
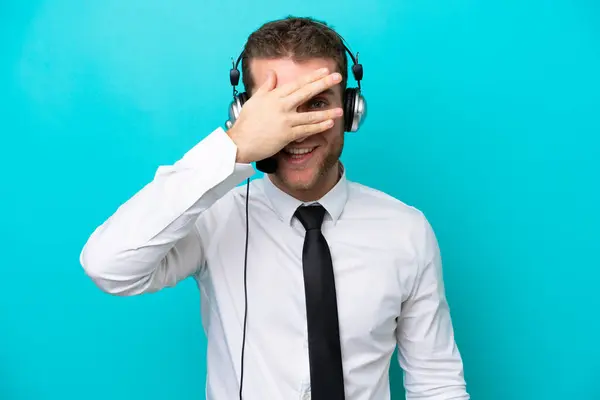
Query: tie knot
pixel 311 217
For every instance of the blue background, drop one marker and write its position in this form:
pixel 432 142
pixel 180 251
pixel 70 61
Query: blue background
pixel 484 114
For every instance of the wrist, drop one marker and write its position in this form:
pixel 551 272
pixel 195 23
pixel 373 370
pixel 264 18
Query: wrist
pixel 239 156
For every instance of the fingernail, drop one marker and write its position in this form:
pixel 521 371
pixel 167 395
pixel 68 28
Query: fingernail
pixel 337 77
pixel 323 70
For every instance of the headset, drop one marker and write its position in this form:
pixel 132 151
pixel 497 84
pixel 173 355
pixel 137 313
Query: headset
pixel 355 105
pixel 355 111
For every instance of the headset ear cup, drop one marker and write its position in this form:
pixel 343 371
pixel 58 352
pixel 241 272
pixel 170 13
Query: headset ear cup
pixel 243 98
pixel 360 111
pixel 236 107
pixel 349 98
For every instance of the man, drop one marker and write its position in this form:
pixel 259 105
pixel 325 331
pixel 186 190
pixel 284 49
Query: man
pixel 307 309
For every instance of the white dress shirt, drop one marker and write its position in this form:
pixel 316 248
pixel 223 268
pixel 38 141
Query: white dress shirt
pixel 190 221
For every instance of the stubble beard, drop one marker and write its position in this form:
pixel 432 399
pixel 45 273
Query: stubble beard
pixel 324 168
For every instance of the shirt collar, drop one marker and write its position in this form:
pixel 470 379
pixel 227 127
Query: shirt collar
pixel 285 205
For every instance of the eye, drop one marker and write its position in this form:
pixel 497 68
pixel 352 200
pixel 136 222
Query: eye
pixel 317 103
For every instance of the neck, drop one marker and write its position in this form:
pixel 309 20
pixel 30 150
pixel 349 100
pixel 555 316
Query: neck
pixel 324 184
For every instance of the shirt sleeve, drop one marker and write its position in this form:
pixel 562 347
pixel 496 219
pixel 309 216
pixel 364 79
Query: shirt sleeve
pixel 427 351
pixel 151 241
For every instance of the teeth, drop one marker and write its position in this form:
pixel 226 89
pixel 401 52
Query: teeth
pixel 299 151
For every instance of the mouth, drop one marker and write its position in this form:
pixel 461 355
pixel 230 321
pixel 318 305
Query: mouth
pixel 296 155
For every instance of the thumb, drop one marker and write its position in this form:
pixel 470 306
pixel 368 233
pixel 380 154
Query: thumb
pixel 269 83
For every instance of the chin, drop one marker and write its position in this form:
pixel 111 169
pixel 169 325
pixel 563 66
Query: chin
pixel 304 179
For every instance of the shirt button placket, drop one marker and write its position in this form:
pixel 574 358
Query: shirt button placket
pixel 306 394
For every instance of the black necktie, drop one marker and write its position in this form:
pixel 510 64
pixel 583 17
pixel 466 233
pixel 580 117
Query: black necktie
pixel 326 373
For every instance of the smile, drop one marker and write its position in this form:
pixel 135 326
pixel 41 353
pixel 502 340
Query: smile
pixel 298 156
pixel 299 151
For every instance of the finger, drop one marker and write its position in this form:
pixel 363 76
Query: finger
pixel 313 117
pixel 309 91
pixel 269 83
pixel 303 80
pixel 304 131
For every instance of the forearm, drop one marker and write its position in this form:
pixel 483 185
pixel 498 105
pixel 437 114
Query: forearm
pixel 150 241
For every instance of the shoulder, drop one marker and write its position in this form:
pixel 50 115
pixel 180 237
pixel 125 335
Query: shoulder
pixel 405 225
pixel 233 201
pixel 376 203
